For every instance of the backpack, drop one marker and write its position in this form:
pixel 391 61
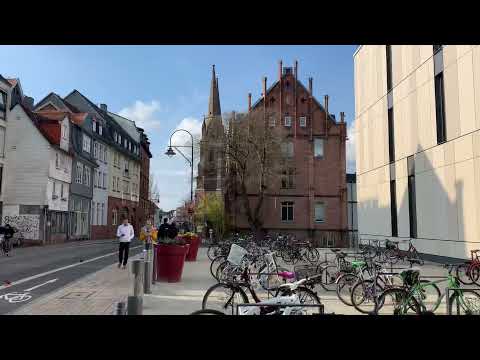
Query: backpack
pixel 172 232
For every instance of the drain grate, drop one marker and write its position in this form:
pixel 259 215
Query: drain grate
pixel 79 295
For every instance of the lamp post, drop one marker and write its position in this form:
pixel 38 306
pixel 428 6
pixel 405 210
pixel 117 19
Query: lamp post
pixel 171 153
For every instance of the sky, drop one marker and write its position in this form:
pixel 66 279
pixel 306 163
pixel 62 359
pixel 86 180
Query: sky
pixel 164 88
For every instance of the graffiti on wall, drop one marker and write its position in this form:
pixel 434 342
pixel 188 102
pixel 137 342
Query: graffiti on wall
pixel 28 226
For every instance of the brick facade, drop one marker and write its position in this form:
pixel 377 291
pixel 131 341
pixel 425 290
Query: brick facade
pixel 124 208
pixel 316 179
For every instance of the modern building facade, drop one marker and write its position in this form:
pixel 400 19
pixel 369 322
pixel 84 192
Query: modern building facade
pixel 418 145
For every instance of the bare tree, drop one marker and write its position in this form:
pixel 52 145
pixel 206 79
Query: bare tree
pixel 153 192
pixel 254 157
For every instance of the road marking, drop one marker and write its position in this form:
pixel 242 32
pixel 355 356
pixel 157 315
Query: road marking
pixel 45 283
pixel 16 297
pixel 60 269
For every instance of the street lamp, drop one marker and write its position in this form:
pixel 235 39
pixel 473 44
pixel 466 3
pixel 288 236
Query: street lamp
pixel 171 153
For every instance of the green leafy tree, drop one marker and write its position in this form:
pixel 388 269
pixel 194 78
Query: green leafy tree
pixel 212 209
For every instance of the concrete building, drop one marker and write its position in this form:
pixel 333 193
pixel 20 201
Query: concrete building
pixel 5 103
pixel 418 145
pixel 352 217
pixel 309 199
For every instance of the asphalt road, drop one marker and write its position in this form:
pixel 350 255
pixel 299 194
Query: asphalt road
pixel 36 271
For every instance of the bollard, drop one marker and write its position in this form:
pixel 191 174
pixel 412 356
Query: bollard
pixel 135 302
pixel 154 265
pixel 120 308
pixel 147 279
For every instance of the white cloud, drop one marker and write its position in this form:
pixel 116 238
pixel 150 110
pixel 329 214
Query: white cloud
pixel 193 125
pixel 144 114
pixel 351 159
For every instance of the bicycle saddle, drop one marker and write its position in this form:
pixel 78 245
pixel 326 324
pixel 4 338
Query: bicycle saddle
pixel 474 251
pixel 286 274
pixel 335 250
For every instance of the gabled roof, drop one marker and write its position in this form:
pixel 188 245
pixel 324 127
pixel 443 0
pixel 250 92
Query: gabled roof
pixel 299 83
pixel 127 125
pixel 45 125
pixel 52 98
pixel 94 108
pixel 5 81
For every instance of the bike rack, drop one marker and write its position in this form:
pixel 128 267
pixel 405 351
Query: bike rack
pixel 448 290
pixel 321 307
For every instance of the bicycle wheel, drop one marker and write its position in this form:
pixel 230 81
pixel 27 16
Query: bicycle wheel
pixel 463 274
pixel 475 274
pixel 465 302
pixel 396 301
pixel 308 297
pixel 215 264
pixel 365 295
pixel 329 275
pixel 428 296
pixel 312 255
pixel 345 285
pixel 224 297
pixel 213 251
pixel 207 312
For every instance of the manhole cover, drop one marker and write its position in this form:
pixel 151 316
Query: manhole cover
pixel 78 295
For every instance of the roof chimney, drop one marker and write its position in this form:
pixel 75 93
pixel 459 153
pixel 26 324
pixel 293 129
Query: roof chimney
pixel 310 86
pixel 249 101
pixel 28 102
pixel 103 107
pixel 342 117
pixel 264 87
pixel 280 70
pixel 296 69
pixel 326 115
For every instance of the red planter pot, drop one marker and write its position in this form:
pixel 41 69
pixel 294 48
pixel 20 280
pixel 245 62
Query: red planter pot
pixel 194 242
pixel 170 260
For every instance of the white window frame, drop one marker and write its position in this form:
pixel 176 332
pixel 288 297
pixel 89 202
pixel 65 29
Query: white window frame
pixel 322 141
pixel 79 173
pixel 100 131
pixel 104 180
pixel 61 191
pixel 87 143
pixel 87 176
pixel 287 121
pixel 322 204
pixel 302 120
pixel 54 191
pixel 57 161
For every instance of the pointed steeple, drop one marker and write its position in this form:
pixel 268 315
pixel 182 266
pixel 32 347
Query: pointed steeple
pixel 214 101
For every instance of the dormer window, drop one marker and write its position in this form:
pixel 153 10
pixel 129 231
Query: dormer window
pixel 3 105
pixel 94 126
pixel 100 131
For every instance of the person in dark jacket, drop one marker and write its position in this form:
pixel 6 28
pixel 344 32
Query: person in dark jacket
pixel 163 230
pixel 7 231
pixel 173 231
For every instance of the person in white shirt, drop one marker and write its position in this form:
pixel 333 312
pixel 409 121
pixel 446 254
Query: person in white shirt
pixel 125 234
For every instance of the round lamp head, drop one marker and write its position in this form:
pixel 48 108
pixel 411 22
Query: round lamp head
pixel 170 152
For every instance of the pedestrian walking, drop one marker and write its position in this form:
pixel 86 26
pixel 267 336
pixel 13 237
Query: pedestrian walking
pixel 148 234
pixel 125 234
pixel 7 233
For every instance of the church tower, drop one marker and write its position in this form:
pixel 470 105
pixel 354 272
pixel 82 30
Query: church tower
pixel 211 168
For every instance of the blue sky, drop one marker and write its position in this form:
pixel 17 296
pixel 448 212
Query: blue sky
pixel 166 87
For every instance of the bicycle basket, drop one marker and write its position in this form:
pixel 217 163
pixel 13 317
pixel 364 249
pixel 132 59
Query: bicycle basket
pixel 347 267
pixel 236 254
pixel 410 277
pixel 304 271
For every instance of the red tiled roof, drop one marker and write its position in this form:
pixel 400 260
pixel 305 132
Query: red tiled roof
pixel 77 118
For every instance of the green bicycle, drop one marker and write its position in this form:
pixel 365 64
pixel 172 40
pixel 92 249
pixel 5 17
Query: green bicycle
pixel 423 297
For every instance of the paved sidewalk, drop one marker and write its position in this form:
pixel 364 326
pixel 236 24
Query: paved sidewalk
pixel 95 294
pixel 98 293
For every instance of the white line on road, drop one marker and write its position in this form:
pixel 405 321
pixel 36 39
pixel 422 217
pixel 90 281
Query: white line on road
pixel 60 269
pixel 45 283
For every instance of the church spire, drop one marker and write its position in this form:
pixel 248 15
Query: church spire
pixel 214 101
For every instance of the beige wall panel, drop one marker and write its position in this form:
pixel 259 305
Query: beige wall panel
pixel 449 150
pixel 476 143
pixel 425 52
pixel 449 55
pixel 476 83
pixel 381 71
pixel 402 207
pixel 466 94
pixel 448 180
pixel 424 193
pixel 420 162
pixel 463 50
pixel 397 73
pixel 451 101
pixel 463 148
pixel 438 156
pixel 401 169
pixel 424 119
pixel 466 205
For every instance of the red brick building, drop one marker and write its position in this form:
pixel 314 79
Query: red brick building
pixel 145 207
pixel 309 199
